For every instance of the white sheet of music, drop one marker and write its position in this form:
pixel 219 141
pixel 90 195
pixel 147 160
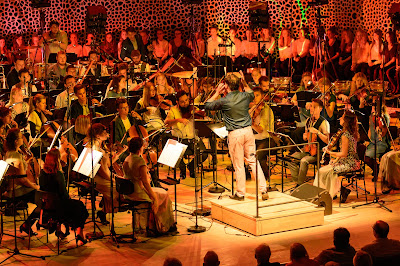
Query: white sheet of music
pixel 172 153
pixel 221 132
pixel 84 163
pixel 3 169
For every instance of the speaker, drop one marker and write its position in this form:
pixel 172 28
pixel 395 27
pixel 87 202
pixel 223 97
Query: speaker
pixel 310 193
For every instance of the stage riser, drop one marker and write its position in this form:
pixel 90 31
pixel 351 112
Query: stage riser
pixel 273 219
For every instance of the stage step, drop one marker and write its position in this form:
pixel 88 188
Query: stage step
pixel 282 214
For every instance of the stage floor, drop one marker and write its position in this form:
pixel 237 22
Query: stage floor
pixel 233 246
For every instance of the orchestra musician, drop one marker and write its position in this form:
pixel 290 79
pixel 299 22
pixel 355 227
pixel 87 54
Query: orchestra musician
pixel 95 138
pixel 148 47
pixel 117 87
pixel 80 106
pixel 389 171
pixel 6 122
pixel 16 103
pixel 56 40
pixel 329 101
pixel 180 119
pixel 241 142
pixel 161 83
pixel 255 75
pixel 25 187
pixel 262 123
pixel 25 83
pixel 12 76
pixel 35 53
pixel 67 96
pixel 161 219
pixel 138 65
pixel 58 70
pixel 123 70
pixel 151 106
pixel 74 47
pixel 132 42
pixel 52 180
pixel 317 129
pixel 344 160
pixel 97 70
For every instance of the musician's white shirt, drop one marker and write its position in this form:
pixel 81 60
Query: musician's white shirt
pixel 25 90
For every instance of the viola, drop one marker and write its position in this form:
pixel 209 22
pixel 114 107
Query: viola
pixel 149 155
pixel 311 148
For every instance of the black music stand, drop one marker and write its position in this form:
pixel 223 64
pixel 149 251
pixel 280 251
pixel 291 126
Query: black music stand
pixel 306 96
pixel 4 168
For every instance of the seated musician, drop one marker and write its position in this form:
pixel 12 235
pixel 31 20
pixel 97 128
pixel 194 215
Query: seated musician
pixel 25 187
pixel 205 90
pixel 74 47
pixel 12 76
pixel 6 122
pixel 151 108
pixel 58 70
pixel 56 39
pixel 123 70
pixel 71 70
pixel 378 133
pixel 329 100
pixel 138 65
pixel 255 75
pixel 95 138
pixel 25 83
pixel 213 49
pixel 97 70
pixel 37 118
pixel 262 122
pixel 180 119
pixel 67 96
pixel 318 128
pixel 265 84
pixel 161 83
pixel 135 168
pixel 52 179
pixel 132 42
pixel 16 103
pixel 344 160
pixel 87 47
pixel 389 171
pixel 117 87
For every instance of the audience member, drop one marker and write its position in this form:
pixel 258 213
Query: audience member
pixel 384 251
pixel 299 256
pixel 362 258
pixel 263 254
pixel 211 259
pixel 342 253
pixel 172 262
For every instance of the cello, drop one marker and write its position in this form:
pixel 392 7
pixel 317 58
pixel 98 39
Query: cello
pixel 311 148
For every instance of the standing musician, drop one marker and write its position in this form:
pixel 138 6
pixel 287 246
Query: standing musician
pixel 317 129
pixel 262 122
pixel 37 118
pixel 24 187
pixel 95 138
pixel 345 160
pixel 180 119
pixel 97 70
pixel 241 142
pixel 56 39
pixel 16 103
pixel 25 83
pixel 12 76
pixel 67 96
pixel 152 107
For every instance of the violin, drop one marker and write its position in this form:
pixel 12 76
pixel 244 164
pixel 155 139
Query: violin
pixel 149 155
pixel 160 101
pixel 311 148
pixel 67 150
pixel 198 114
pixel 332 143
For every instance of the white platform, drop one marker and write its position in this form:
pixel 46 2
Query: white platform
pixel 277 217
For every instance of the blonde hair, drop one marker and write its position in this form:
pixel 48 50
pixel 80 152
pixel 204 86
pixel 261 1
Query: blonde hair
pixel 13 92
pixel 146 93
pixel 356 76
pixel 34 100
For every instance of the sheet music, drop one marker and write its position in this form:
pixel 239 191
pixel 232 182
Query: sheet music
pixel 84 163
pixel 172 153
pixel 3 169
pixel 221 132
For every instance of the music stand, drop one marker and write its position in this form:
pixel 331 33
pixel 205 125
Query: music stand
pixel 4 168
pixel 306 96
pixel 88 165
pixel 171 156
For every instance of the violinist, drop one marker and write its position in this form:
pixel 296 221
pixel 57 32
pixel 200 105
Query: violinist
pixel 16 103
pixel 241 142
pixel 37 118
pixel 180 120
pixel 377 132
pixel 317 129
pixel 25 83
pixel 6 123
pixel 67 96
pixel 162 85
pixel 206 88
pixel 329 101
pixel 265 84
pixel 95 138
pixel 262 122
pixel 150 106
pixel 255 75
pixel 344 160
pixel 24 187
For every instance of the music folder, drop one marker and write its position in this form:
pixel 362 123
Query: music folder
pixel 89 159
pixel 172 153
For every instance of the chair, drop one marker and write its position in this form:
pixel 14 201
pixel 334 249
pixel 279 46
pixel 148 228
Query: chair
pixel 126 187
pixel 49 206
pixel 352 177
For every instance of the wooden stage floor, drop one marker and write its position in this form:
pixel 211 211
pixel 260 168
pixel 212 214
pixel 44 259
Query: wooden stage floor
pixel 233 246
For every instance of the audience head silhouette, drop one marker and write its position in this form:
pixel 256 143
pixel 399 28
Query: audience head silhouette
pixel 263 254
pixel 341 238
pixel 211 259
pixel 381 229
pixel 172 262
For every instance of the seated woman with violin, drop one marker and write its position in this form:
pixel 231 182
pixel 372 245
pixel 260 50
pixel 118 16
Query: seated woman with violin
pixel 152 107
pixel 52 180
pixel 6 123
pixel 37 118
pixel 344 160
pixel 16 103
pixel 262 122
pixel 117 87
pixel 24 164
pixel 161 219
pixel 95 138
pixel 162 85
pixel 180 120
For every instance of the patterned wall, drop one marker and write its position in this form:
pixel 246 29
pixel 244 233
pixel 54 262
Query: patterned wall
pixel 16 16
